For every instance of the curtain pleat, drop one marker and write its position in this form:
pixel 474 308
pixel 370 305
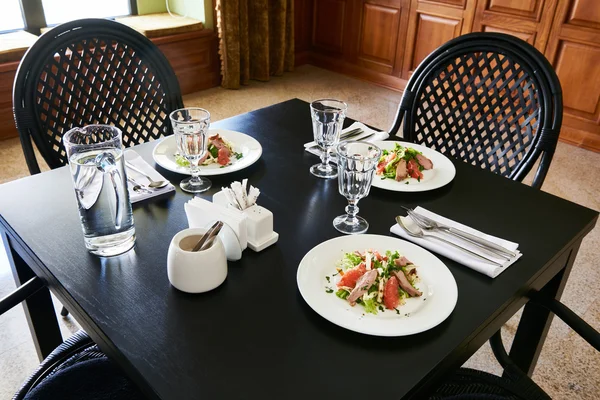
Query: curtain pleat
pixel 256 39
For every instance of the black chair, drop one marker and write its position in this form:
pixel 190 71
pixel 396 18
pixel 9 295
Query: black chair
pixel 488 99
pixel 91 71
pixel 77 369
pixel 469 384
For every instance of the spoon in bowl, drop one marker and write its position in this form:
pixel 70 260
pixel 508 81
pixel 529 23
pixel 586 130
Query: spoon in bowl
pixel 415 231
pixel 153 184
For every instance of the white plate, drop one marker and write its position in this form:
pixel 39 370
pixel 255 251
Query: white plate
pixel 164 153
pixel 441 174
pixel 419 314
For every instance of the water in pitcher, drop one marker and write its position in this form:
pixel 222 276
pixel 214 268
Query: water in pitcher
pixel 104 207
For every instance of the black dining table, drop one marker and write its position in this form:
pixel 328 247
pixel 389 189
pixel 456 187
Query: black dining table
pixel 254 336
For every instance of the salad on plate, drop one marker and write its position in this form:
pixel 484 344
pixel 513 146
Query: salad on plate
pixel 377 282
pixel 401 163
pixel 220 151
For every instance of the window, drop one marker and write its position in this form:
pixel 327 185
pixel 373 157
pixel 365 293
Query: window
pixel 32 15
pixel 11 17
pixel 59 11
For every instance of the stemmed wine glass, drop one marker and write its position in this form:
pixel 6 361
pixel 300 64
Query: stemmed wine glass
pixel 327 120
pixel 356 163
pixel 190 126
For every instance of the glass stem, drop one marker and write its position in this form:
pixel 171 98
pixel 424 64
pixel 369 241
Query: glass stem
pixel 352 210
pixel 325 157
pixel 194 170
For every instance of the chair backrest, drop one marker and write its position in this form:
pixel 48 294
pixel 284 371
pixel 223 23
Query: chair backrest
pixel 489 99
pixel 91 71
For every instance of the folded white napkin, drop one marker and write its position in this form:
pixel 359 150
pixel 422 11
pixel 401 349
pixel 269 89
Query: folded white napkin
pixel 203 213
pixel 459 256
pixel 312 147
pixel 135 159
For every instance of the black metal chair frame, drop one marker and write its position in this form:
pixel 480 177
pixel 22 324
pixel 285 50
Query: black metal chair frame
pixel 67 58
pixel 541 75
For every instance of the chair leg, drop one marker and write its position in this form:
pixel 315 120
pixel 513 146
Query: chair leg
pixel 64 312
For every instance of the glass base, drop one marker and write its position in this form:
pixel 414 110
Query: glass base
pixel 326 171
pixel 350 225
pixel 198 185
pixel 111 245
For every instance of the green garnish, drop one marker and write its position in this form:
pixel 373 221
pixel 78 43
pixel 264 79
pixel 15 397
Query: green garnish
pixel 329 290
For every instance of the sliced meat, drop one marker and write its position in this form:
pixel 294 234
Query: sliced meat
pixel 379 257
pixel 402 261
pixel 413 170
pixel 382 164
pixel 405 285
pixel 424 161
pixel 223 156
pixel 201 161
pixel 401 170
pixel 391 298
pixel 362 286
pixel 352 275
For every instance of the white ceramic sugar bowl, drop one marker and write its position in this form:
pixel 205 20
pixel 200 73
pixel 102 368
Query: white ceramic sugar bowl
pixel 195 272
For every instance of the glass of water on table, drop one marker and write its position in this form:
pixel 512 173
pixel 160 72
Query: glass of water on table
pixel 95 154
pixel 327 120
pixel 356 165
pixel 190 126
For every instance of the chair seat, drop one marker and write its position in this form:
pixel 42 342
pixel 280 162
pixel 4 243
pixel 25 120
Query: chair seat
pixel 78 369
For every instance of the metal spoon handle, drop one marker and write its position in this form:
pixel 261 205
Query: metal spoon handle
pixel 478 240
pixel 207 235
pixel 136 169
pixel 465 250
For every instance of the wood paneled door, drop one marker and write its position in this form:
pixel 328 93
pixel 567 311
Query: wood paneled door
pixel 381 37
pixel 431 24
pixel 529 20
pixel 574 51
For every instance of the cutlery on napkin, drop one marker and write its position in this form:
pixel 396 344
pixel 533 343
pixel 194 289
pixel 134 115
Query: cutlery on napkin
pixel 367 134
pixel 489 269
pixel 135 196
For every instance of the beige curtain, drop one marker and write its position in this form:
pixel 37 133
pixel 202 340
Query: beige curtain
pixel 256 39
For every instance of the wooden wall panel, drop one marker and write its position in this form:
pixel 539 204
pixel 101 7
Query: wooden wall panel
pixel 574 51
pixel 328 25
pixel 379 36
pixel 529 37
pixel 7 121
pixel 303 18
pixel 529 20
pixel 431 24
pixel 585 13
pixel 578 68
pixel 432 32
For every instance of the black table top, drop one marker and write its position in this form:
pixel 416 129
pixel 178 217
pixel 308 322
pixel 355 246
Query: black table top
pixel 255 337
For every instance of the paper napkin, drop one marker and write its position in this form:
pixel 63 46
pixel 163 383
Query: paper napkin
pixel 135 196
pixel 312 147
pixel 459 256
pixel 202 213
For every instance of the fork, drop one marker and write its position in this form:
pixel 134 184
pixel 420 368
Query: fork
pixel 427 228
pixel 139 188
pixel 431 225
pixel 420 234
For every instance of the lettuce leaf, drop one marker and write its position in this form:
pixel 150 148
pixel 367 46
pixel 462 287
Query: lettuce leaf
pixel 370 305
pixel 181 160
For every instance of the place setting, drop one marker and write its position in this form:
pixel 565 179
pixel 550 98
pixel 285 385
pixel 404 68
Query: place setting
pixel 384 285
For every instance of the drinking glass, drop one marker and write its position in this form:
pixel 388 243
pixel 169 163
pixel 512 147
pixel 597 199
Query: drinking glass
pixel 190 126
pixel 327 120
pixel 95 154
pixel 356 163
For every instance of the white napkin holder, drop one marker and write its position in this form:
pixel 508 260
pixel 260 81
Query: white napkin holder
pixel 259 223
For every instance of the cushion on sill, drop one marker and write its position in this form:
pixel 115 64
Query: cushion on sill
pixel 163 24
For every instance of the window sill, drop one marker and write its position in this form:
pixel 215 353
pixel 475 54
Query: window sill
pixel 163 24
pixel 14 45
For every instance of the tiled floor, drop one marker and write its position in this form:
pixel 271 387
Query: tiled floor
pixel 568 368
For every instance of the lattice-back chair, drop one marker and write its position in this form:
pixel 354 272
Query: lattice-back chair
pixel 488 99
pixel 86 72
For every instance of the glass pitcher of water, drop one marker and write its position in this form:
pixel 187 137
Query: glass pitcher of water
pixel 97 166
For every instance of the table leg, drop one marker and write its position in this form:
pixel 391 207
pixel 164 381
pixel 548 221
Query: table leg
pixel 39 310
pixel 535 321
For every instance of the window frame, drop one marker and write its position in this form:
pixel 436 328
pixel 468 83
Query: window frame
pixel 34 18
